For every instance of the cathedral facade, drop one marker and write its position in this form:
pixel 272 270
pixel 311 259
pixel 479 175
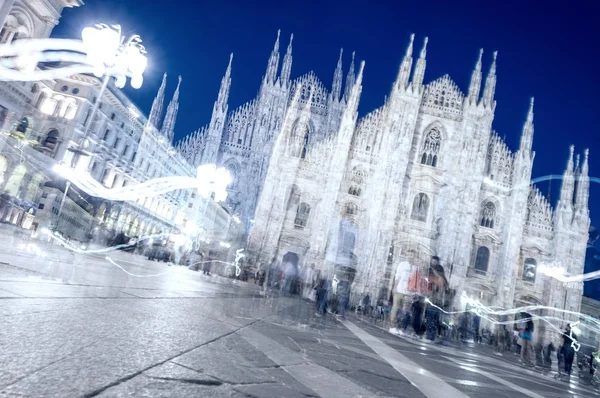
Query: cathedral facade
pixel 423 175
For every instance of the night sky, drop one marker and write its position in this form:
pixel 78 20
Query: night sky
pixel 548 53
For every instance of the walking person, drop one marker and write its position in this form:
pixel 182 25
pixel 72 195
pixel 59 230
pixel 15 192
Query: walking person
pixel 568 348
pixel 343 293
pixel 366 304
pixel 308 281
pixel 437 288
pixel 322 293
pixel 527 337
pixel 400 293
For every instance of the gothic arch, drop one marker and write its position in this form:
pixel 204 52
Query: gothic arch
pixel 488 214
pixel 234 168
pixel 300 137
pixel 432 143
pixel 436 125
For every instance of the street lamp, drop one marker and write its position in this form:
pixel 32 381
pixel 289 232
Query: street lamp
pixel 111 55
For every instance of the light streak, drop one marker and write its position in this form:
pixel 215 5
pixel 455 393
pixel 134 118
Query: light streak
pixel 20 58
pixel 208 180
pixel 110 260
pixel 487 312
pixel 238 256
pixel 556 271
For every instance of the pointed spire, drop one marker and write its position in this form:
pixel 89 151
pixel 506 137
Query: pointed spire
pixel 405 66
pixel 527 135
pixel 354 96
pixel 225 86
pixel 158 104
pixel 350 79
pixel 286 68
pixel 336 88
pixel 490 84
pixel 419 74
pixel 583 187
pixel 168 127
pixel 273 65
pixel 475 86
pixel 567 186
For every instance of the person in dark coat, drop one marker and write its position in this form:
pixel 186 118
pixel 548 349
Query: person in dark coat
pixel 568 348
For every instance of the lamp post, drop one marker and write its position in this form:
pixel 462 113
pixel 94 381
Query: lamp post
pixel 111 55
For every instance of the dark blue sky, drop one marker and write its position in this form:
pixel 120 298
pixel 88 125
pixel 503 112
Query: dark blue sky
pixel 548 53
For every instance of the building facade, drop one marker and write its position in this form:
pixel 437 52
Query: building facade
pixel 42 122
pixel 425 174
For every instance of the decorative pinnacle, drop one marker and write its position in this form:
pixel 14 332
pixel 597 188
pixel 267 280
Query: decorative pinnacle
pixel 353 52
pixel 277 41
pixel 409 50
pixel 424 49
pixel 341 52
pixel 290 45
pixel 480 56
pixel 586 154
pixel 530 113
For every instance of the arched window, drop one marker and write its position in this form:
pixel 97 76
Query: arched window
pixel 304 147
pixel 23 126
pixel 431 148
pixel 488 215
pixel 420 207
pixel 51 141
pixel 351 209
pixel 300 138
pixel 348 242
pixel 302 215
pixel 354 190
pixel 358 176
pixel 293 197
pixel 529 270
pixel 482 259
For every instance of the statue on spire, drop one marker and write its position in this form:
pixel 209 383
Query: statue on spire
pixel 350 78
pixel 273 65
pixel 419 74
pixel 168 127
pixel 336 88
pixel 405 66
pixel 157 105
pixel 225 86
pixel 475 85
pixel 527 135
pixel 286 68
pixel 490 84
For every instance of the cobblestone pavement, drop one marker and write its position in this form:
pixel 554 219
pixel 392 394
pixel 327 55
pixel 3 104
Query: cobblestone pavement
pixel 90 329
